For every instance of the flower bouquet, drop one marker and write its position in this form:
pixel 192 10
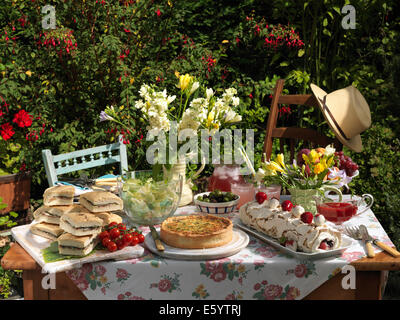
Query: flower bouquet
pixel 313 173
pixel 182 116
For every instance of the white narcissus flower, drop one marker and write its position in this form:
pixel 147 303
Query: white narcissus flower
pixel 194 87
pixel 260 175
pixel 329 150
pixel 209 93
pixel 235 101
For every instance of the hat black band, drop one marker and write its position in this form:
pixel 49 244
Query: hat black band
pixel 325 107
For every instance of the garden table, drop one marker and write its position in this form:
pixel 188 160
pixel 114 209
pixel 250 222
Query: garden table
pixel 246 275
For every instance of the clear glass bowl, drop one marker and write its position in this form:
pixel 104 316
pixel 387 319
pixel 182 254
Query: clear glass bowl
pixel 148 200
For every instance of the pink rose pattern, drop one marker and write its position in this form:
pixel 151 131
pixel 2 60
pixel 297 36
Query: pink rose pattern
pixel 88 277
pixel 303 270
pixel 167 283
pixel 219 270
pixel 267 291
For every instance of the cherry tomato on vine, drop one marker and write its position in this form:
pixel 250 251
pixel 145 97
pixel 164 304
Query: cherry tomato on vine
pixel 115 233
pixel 112 224
pixel 127 237
pixel 121 226
pixel 112 246
pixel 104 234
pixel 120 243
pixel 135 241
pixel 141 238
pixel 105 241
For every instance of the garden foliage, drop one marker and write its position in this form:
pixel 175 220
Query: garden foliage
pixel 54 83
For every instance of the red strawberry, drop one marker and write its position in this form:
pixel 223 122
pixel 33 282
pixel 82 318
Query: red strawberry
pixel 307 217
pixel 323 245
pixel 261 197
pixel 289 243
pixel 287 205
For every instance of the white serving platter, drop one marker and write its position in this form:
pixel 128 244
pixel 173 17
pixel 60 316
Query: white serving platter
pixel 347 242
pixel 33 244
pixel 239 241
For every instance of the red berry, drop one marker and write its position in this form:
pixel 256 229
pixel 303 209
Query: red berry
pixel 289 243
pixel 323 245
pixel 307 217
pixel 261 197
pixel 287 205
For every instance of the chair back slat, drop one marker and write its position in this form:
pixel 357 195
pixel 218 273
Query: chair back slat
pixel 86 152
pixel 84 159
pixel 293 135
pixel 88 165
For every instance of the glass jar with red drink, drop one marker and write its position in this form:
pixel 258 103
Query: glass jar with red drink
pixel 224 175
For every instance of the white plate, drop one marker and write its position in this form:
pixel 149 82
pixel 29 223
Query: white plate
pixel 346 243
pixel 239 241
pixel 33 244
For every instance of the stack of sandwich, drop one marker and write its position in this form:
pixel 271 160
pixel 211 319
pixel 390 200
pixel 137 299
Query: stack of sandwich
pixel 298 230
pixel 75 226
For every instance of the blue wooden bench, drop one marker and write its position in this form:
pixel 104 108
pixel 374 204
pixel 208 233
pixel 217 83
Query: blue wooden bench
pixel 56 165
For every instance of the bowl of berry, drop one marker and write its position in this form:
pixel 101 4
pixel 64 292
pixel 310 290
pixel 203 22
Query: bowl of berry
pixel 216 202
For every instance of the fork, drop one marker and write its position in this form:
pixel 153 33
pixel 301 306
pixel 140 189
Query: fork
pixel 355 233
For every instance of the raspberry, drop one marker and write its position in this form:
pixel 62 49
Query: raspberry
pixel 307 217
pixel 261 197
pixel 323 245
pixel 287 205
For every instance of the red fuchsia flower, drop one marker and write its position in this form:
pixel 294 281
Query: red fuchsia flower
pixel 6 131
pixel 158 13
pixel 251 96
pixel 23 119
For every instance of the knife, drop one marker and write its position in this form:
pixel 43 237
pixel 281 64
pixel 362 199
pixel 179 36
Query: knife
pixel 367 240
pixel 380 244
pixel 156 239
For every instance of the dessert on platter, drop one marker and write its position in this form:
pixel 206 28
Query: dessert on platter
pixel 294 228
pixel 196 231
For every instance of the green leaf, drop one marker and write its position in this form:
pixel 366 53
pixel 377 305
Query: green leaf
pixel 301 52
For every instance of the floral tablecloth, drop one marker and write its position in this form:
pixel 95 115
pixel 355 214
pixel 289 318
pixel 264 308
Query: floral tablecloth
pixel 257 272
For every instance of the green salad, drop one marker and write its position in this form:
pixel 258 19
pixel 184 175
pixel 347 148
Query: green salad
pixel 148 201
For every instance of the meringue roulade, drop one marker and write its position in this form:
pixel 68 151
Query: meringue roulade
pixel 292 229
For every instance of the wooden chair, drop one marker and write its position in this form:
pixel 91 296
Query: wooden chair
pixel 84 159
pixel 293 134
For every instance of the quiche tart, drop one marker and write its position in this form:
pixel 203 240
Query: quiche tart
pixel 196 231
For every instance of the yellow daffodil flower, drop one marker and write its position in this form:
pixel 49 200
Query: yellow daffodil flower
pixel 281 160
pixel 184 81
pixel 318 168
pixel 273 166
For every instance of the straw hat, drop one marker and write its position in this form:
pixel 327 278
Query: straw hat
pixel 347 113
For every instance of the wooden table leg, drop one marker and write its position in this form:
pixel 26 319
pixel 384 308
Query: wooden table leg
pixel 369 285
pixel 33 285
